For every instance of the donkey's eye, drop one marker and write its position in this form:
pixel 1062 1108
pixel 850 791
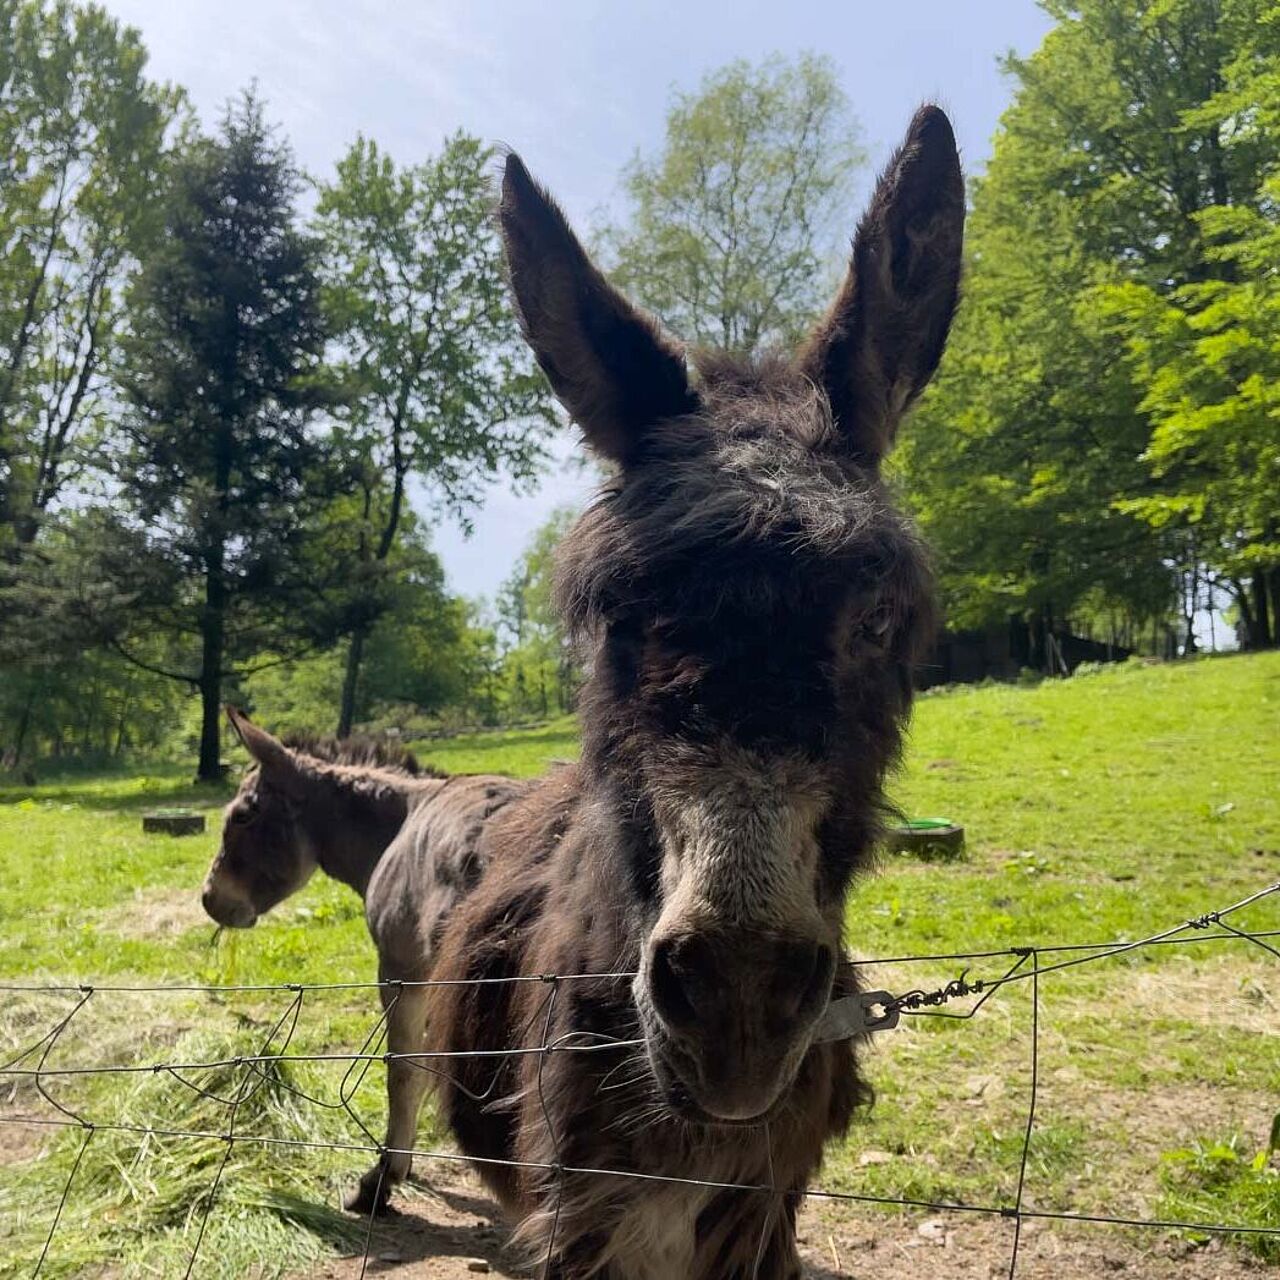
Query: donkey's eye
pixel 877 625
pixel 243 813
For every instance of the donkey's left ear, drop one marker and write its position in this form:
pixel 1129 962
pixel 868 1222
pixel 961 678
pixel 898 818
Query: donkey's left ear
pixel 267 750
pixel 881 341
pixel 609 364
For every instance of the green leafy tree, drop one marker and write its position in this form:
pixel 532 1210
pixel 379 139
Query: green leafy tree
pixel 1206 351
pixel 438 384
pixel 539 670
pixel 218 483
pixel 89 704
pixel 82 132
pixel 63 690
pixel 415 664
pixel 480 664
pixel 1013 459
pixel 413 658
pixel 734 225
pixel 1035 459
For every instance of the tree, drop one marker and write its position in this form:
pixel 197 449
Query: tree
pixel 1014 457
pixel 481 663
pixel 438 384
pixel 538 662
pixel 414 658
pixel 1206 349
pixel 219 479
pixel 734 226
pixel 1034 459
pixel 81 135
pixel 63 689
pixel 88 702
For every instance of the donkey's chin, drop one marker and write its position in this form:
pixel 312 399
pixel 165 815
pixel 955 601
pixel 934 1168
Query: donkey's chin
pixel 236 921
pixel 679 1079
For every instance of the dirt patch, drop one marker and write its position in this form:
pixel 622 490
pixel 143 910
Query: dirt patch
pixel 441 1230
pixel 452 1231
pixel 840 1243
pixel 19 1142
pixel 155 913
pixel 1238 993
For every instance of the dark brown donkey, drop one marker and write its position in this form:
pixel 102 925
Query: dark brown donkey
pixel 403 837
pixel 753 606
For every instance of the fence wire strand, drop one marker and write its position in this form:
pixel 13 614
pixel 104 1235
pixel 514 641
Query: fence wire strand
pixel 253 1072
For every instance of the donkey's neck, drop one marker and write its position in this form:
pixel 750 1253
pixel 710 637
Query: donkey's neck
pixel 350 815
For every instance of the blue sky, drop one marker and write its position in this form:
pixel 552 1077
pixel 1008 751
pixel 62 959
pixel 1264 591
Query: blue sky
pixel 576 87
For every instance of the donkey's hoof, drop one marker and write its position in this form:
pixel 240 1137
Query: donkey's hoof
pixel 372 1196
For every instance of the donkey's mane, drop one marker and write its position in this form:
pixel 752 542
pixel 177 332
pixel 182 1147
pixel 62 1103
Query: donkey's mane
pixel 360 751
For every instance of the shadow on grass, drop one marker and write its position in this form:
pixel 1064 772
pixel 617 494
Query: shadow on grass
pixel 342 1232
pixel 122 793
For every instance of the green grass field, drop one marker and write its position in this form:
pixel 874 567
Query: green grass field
pixel 1112 805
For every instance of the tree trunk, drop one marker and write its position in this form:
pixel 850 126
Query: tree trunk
pixel 121 729
pixel 212 639
pixel 24 724
pixel 213 625
pixel 1189 646
pixel 1261 615
pixel 1244 629
pixel 350 682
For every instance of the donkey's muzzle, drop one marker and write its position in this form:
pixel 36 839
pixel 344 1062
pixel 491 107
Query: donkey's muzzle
pixel 736 1014
pixel 227 910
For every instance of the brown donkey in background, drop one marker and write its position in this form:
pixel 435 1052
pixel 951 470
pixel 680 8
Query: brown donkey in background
pixel 753 606
pixel 403 837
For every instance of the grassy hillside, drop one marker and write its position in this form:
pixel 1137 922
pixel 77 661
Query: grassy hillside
pixel 1110 805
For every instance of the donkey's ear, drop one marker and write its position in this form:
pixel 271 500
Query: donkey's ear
pixel 883 337
pixel 268 751
pixel 609 364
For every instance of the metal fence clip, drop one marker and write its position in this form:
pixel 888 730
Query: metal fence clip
pixel 855 1015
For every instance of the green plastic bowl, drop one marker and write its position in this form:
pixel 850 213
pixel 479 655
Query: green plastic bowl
pixel 929 839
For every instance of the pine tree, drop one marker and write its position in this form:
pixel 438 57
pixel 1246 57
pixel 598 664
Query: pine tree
pixel 221 378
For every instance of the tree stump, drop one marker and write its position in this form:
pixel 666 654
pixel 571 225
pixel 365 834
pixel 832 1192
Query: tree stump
pixel 173 822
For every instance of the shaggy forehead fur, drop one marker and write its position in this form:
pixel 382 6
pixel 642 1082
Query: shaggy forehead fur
pixel 745 572
pixel 747 506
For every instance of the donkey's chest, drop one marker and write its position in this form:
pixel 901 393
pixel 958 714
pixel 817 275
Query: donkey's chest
pixel 656 1237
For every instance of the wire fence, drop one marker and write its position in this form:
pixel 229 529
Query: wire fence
pixel 1029 965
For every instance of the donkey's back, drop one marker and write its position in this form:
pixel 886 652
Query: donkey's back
pixel 438 857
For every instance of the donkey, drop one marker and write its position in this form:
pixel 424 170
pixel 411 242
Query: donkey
pixel 752 607
pixel 403 836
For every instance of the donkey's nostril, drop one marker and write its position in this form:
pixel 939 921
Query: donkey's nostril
pixel 669 987
pixel 817 988
pixel 803 981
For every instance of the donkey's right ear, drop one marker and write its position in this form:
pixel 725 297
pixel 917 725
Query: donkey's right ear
pixel 610 365
pixel 267 750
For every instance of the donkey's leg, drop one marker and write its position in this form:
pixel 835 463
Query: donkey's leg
pixel 406 1083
